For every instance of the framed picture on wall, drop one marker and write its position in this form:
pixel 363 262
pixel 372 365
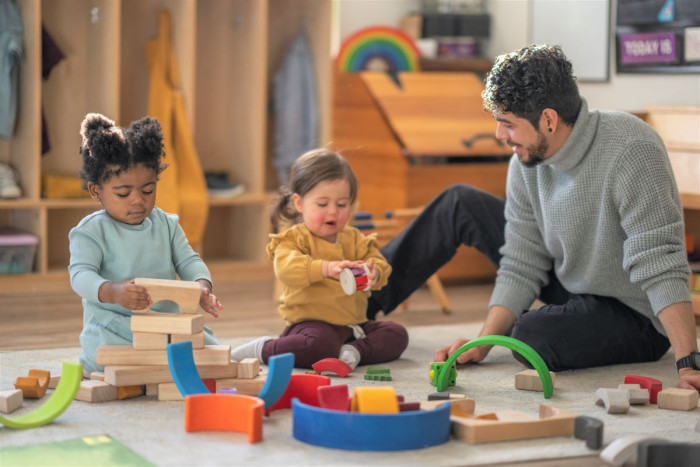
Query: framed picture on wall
pixel 658 36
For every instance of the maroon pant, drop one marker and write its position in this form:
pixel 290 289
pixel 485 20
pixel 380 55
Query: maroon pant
pixel 311 341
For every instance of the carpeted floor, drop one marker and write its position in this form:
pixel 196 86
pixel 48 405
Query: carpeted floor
pixel 155 429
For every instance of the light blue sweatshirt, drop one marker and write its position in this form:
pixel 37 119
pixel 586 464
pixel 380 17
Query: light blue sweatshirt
pixel 604 211
pixel 103 249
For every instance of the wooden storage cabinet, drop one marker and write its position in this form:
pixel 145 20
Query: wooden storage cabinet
pixel 227 52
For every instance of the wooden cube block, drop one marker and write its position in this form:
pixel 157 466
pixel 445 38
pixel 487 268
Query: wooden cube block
pixel 96 391
pixel 10 400
pixel 677 399
pixel 150 340
pixel 196 339
pixel 529 380
pixel 53 382
pixel 185 293
pixel 152 389
pixel 168 323
pixel 636 394
pixel 248 368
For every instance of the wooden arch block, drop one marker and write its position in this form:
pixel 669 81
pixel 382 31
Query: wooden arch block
pixel 185 293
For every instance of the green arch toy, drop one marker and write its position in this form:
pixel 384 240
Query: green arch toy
pixel 514 344
pixel 68 385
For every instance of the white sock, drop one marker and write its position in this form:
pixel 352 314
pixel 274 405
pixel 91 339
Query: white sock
pixel 252 349
pixel 350 355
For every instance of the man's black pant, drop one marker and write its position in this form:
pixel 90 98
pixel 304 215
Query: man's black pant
pixel 571 331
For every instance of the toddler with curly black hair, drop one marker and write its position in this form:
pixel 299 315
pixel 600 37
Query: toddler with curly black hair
pixel 129 237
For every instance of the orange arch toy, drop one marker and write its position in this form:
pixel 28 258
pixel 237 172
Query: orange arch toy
pixel 225 412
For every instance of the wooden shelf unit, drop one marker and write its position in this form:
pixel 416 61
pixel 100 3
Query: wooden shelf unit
pixel 227 53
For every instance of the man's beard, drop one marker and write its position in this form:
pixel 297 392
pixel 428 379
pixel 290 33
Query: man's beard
pixel 536 153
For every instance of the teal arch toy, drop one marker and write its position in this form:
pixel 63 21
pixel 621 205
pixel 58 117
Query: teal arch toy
pixel 68 385
pixel 513 344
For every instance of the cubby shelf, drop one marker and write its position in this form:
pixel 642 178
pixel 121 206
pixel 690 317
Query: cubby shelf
pixel 227 53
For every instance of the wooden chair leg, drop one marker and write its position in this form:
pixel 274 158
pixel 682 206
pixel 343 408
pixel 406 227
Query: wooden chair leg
pixel 438 292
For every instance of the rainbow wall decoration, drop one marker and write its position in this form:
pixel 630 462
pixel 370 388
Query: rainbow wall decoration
pixel 390 48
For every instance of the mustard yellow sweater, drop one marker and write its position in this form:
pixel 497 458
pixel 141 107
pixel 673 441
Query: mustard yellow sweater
pixel 297 255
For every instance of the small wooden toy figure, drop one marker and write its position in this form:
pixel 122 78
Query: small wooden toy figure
pixel 310 258
pixel 129 237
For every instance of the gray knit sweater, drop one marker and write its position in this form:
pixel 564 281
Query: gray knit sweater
pixel 604 211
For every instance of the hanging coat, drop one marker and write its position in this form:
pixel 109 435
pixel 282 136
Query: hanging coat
pixel 297 124
pixel 182 187
pixel 11 50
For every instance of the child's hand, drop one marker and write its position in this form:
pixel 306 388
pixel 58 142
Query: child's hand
pixel 373 275
pixel 126 294
pixel 334 268
pixel 208 301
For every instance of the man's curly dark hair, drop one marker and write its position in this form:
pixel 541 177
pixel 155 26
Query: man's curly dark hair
pixel 529 80
pixel 108 150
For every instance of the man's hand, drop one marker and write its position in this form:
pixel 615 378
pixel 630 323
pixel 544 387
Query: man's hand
pixel 473 355
pixel 126 294
pixel 689 379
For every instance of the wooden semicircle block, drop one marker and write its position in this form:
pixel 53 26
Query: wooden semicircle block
pixel 183 369
pixel 225 412
pixel 185 293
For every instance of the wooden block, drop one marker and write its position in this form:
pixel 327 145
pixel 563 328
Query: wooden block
pixel 10 400
pixel 185 293
pixel 623 450
pixel 248 368
pixel 248 387
pixel 97 376
pixel 529 380
pixel 127 355
pixel 677 399
pixel 53 382
pixel 196 339
pixel 168 323
pixel 614 400
pixel 511 425
pixel 96 391
pixel 169 392
pixel 636 394
pixel 127 392
pixel 29 386
pixel 150 340
pixel 462 407
pixel 128 375
pixel 152 389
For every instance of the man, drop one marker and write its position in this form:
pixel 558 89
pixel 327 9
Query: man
pixel 592 226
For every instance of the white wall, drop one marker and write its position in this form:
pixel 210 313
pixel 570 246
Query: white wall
pixel 510 30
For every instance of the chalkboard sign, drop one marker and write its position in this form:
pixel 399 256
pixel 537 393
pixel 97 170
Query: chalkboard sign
pixel 658 36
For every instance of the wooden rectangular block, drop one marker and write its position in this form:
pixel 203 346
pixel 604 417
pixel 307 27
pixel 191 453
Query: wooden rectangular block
pixel 169 392
pixel 677 399
pixel 196 339
pixel 127 392
pixel 97 376
pixel 127 375
pixel 248 387
pixel 127 355
pixel 185 293
pixel 150 340
pixel 96 391
pixel 686 170
pixel 529 380
pixel 10 400
pixel 168 323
